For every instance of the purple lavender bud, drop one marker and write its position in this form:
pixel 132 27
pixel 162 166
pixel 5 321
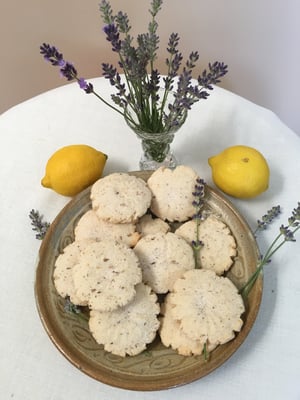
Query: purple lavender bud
pixel 200 181
pixel 89 88
pixel 197 244
pixel 287 233
pixel 197 215
pixel 268 218
pixel 113 36
pixel 109 72
pixel 216 71
pixel 173 43
pixel 61 63
pixel 51 54
pixel 296 213
pixel 69 71
pixel 82 83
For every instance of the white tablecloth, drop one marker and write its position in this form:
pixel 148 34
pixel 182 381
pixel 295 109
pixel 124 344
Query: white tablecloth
pixel 268 363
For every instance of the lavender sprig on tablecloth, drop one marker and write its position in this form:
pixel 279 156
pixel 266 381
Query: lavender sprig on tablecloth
pixel 38 224
pixel 286 234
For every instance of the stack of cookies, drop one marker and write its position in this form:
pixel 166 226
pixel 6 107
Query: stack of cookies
pixel 126 252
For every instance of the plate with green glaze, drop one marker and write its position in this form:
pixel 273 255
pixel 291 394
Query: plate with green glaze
pixel 157 367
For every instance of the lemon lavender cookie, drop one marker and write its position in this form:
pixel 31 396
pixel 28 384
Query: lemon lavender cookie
pixel 207 306
pixel 163 258
pixel 63 269
pixel 219 246
pixel 106 275
pixel 120 198
pixel 90 226
pixel 172 191
pixel 128 329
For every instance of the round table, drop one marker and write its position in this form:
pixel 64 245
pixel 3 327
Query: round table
pixel 267 365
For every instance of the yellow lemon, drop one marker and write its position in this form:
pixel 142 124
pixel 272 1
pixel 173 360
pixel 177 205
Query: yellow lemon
pixel 240 171
pixel 73 168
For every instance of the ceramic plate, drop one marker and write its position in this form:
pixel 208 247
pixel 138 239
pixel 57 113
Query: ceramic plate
pixel 157 367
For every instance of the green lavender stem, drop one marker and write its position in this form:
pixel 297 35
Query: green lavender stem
pixel 266 259
pixel 107 103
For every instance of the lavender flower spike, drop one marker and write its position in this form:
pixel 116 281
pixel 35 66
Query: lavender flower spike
pixel 52 55
pixel 113 36
pixel 69 71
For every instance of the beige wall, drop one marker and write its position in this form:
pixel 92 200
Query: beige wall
pixel 258 39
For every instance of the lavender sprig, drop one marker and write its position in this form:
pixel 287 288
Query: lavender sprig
pixel 198 203
pixel 267 218
pixel 42 227
pixel 140 99
pixel 52 55
pixel 286 234
pixel 38 224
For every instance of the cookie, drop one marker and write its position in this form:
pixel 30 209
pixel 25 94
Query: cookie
pixel 120 198
pixel 163 258
pixel 207 306
pixel 106 275
pixel 172 336
pixel 127 330
pixel 91 227
pixel 219 246
pixel 63 267
pixel 172 193
pixel 148 225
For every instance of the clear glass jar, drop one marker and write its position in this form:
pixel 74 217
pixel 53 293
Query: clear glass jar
pixel 156 146
pixel 156 149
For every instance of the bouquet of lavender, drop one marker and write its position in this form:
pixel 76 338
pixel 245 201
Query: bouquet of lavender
pixel 143 98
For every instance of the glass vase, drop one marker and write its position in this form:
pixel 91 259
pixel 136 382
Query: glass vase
pixel 156 149
pixel 156 146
